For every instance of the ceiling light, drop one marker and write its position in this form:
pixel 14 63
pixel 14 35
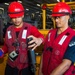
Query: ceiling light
pixel 38 5
pixel 6 3
pixel 1 8
pixel 58 0
pixel 27 9
pixel 20 1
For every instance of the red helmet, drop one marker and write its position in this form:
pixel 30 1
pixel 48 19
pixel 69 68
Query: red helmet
pixel 15 9
pixel 61 9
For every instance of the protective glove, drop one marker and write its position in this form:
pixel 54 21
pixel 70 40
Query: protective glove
pixel 1 53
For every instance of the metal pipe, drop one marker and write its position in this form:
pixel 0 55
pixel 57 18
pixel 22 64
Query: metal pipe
pixel 63 0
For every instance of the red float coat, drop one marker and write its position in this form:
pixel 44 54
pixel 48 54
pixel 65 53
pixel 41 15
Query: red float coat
pixel 22 59
pixel 54 50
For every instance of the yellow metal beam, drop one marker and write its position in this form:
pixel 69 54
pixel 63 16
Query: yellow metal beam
pixel 63 0
pixel 44 19
pixel 72 6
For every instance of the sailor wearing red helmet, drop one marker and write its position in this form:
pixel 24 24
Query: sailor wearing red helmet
pixel 16 41
pixel 59 50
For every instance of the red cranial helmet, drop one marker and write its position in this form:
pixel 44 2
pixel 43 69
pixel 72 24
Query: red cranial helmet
pixel 15 9
pixel 61 9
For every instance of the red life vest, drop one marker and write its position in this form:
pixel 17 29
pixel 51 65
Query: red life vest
pixel 22 59
pixel 55 48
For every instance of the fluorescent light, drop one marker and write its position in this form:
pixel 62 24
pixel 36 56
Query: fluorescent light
pixel 1 8
pixel 58 0
pixel 38 5
pixel 6 3
pixel 20 1
pixel 27 9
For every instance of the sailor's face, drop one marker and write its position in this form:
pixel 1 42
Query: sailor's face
pixel 61 21
pixel 17 21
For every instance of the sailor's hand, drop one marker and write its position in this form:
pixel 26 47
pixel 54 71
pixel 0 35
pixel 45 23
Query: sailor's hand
pixel 34 42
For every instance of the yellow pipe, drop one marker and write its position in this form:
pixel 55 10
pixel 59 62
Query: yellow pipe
pixel 63 0
pixel 72 6
pixel 44 19
pixel 54 23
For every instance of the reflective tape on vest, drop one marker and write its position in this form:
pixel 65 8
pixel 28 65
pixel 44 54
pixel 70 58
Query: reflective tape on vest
pixel 62 40
pixel 24 34
pixel 9 34
pixel 49 36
